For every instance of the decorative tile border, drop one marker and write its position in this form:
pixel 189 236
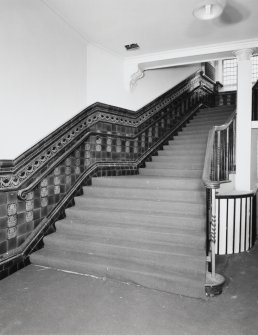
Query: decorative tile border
pixel 100 115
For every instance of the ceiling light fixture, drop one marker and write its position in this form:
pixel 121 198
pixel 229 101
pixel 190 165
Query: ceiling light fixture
pixel 209 9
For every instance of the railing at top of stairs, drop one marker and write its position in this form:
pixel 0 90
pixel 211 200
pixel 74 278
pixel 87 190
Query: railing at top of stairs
pixel 219 163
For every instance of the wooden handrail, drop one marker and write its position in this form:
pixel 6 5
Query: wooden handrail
pixel 219 161
pixel 210 178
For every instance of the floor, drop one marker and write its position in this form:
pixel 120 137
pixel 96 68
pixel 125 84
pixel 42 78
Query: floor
pixel 45 301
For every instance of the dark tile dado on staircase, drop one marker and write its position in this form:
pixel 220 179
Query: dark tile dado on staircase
pixel 148 229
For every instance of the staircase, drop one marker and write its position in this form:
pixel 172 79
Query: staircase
pixel 147 229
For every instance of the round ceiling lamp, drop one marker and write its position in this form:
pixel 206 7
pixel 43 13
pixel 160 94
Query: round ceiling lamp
pixel 209 9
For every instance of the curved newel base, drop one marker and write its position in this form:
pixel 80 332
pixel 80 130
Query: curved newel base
pixel 214 284
pixel 235 223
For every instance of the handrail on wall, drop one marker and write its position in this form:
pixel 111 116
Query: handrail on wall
pixel 219 163
pixel 22 193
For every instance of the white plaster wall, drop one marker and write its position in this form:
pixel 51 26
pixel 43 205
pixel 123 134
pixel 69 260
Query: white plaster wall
pixel 254 159
pixel 42 74
pixel 105 81
pixel 105 77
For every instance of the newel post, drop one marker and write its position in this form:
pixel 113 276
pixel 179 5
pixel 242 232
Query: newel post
pixel 214 281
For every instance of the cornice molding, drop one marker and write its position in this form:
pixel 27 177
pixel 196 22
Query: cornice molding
pixel 195 51
pixel 185 56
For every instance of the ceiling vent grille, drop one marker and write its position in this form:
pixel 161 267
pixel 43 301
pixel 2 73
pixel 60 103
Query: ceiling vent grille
pixel 132 46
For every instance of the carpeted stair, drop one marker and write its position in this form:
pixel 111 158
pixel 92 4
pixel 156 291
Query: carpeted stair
pixel 147 229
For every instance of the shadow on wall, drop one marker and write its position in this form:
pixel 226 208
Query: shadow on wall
pixel 233 13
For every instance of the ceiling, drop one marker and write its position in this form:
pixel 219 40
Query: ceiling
pixel 156 25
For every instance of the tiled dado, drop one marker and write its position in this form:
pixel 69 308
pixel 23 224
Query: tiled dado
pixel 114 145
pixel 19 218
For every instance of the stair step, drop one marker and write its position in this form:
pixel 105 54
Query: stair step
pixel 198 133
pixel 154 171
pixel 140 193
pixel 153 254
pixel 162 220
pixel 149 182
pixel 213 116
pixel 181 240
pixel 97 222
pixel 208 121
pixel 182 140
pixel 191 285
pixel 140 205
pixel 183 160
pixel 192 136
pixel 217 110
pixel 186 145
pixel 184 149
pixel 194 155
pixel 198 128
pixel 158 162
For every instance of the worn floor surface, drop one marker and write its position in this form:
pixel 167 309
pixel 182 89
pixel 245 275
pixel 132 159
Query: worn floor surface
pixel 46 301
